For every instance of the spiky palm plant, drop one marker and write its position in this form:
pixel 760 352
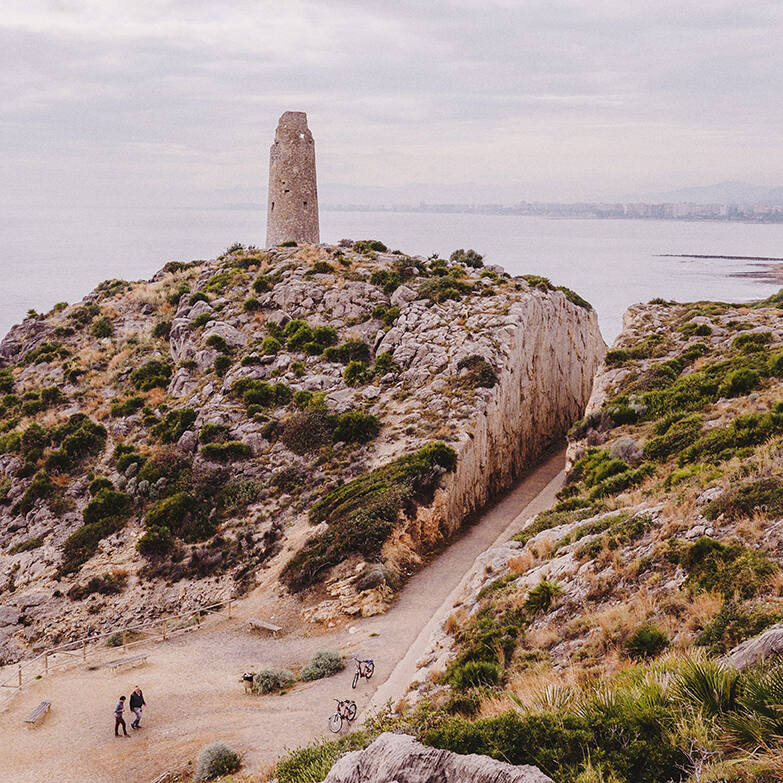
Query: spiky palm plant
pixel 711 686
pixel 758 720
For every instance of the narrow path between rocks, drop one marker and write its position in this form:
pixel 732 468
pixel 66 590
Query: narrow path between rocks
pixel 191 682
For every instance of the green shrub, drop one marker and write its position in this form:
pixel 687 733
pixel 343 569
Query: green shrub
pixel 152 375
pixel 230 451
pixel 325 663
pixel 356 373
pixel 272 680
pixel 47 352
pixel 177 294
pixel 734 623
pixel 350 350
pixel 298 333
pixel 760 496
pixel 362 513
pixel 102 327
pixel 312 763
pixel 227 278
pixel 181 514
pixel 367 246
pixel 729 569
pixel 171 427
pixel 262 284
pixel 251 305
pixel 739 382
pixel 536 281
pixel 41 488
pixel 541 597
pixel 647 641
pixel 355 427
pixel 270 346
pixel 107 503
pixel 98 484
pixel 474 674
pixel 127 407
pixel 218 343
pixel 480 373
pixel 751 342
pixel 156 541
pixel 467 257
pixel 306 431
pixel 109 583
pixel 677 435
pixel 215 760
pixel 213 433
pixel 6 381
pixel 26 545
pixel 199 296
pixel 384 363
pixel 203 319
pixel 221 365
pixel 574 298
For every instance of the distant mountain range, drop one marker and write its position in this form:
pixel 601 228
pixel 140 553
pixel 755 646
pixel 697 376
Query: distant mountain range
pixel 723 193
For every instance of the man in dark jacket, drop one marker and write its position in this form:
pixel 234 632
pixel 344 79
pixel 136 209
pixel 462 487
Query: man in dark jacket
pixel 136 703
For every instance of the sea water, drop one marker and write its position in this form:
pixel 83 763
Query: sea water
pixel 55 255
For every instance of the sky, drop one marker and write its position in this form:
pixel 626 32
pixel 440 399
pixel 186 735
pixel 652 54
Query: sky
pixel 175 102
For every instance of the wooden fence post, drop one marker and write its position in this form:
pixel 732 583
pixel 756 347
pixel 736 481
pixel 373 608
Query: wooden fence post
pixel 84 649
pixel 229 607
pixel 46 662
pixel 123 640
pixel 20 675
pixel 164 630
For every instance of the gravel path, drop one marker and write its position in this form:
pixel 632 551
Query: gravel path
pixel 191 683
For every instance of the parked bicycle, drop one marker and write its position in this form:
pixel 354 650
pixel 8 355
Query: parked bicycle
pixel 346 710
pixel 363 669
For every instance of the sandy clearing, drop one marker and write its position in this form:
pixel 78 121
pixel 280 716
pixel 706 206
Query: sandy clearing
pixel 191 682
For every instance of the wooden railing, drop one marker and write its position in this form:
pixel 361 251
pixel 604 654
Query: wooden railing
pixel 78 650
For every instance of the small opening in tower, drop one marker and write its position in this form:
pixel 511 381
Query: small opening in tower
pixel 304 203
pixel 286 191
pixel 273 207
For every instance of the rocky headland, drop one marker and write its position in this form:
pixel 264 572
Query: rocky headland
pixel 320 418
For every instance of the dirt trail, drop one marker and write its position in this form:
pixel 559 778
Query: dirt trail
pixel 191 682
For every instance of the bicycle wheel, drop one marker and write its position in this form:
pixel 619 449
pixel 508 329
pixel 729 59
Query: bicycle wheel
pixel 350 711
pixel 335 723
pixel 355 678
pixel 369 669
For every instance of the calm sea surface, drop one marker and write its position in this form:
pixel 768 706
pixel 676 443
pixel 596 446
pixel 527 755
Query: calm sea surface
pixel 60 255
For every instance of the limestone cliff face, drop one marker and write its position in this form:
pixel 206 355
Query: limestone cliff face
pixel 548 351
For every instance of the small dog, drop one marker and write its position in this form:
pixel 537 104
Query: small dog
pixel 247 680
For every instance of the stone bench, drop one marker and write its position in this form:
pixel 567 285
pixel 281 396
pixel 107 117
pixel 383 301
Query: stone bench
pixel 38 713
pixel 122 663
pixel 263 625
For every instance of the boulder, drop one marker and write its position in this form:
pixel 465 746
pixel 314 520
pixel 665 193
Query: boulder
pixel 758 649
pixel 403 295
pixel 400 758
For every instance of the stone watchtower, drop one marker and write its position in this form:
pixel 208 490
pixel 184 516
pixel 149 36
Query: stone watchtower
pixel 292 211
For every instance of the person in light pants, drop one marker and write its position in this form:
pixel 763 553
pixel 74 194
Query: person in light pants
pixel 136 703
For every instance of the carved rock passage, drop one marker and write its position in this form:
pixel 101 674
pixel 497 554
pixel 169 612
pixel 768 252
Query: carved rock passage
pixel 551 350
pixel 292 209
pixel 398 758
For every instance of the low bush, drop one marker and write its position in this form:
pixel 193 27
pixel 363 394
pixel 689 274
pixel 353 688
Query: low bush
pixel 272 680
pixel 225 279
pixel 356 373
pixel 262 284
pixel 729 569
pixel 174 424
pixel 647 641
pixel 218 343
pixel 679 432
pixel 109 583
pixel 26 545
pixel 102 327
pixel 384 363
pixel 750 342
pixel 734 623
pixel 152 375
pixel 230 451
pixel 467 257
pixel 156 541
pixel 215 760
pixel 270 346
pixel 182 514
pixel 739 382
pixel 311 764
pixel 306 431
pixel 369 246
pixel 355 427
pixel 325 663
pixel 541 597
pixel 479 372
pixel 107 503
pixel 221 365
pixel 41 488
pixel 127 407
pixel 474 674
pixel 251 305
pixel 350 350
pixel 761 496
pixel 362 513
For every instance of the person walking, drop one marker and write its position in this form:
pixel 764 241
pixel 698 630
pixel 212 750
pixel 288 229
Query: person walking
pixel 136 703
pixel 118 719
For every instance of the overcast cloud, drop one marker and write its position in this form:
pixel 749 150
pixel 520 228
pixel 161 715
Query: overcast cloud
pixel 175 101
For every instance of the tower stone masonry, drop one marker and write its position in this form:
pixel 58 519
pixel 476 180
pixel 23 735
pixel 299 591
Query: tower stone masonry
pixel 292 209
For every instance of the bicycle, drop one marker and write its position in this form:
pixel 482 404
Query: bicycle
pixel 346 710
pixel 363 669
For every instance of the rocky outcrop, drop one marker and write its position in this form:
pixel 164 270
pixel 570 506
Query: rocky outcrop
pixel 398 758
pixel 766 645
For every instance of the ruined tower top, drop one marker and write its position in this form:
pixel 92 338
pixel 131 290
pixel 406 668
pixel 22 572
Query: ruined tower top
pixel 292 210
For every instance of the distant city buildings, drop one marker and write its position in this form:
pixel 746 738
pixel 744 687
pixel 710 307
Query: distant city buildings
pixel 750 213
